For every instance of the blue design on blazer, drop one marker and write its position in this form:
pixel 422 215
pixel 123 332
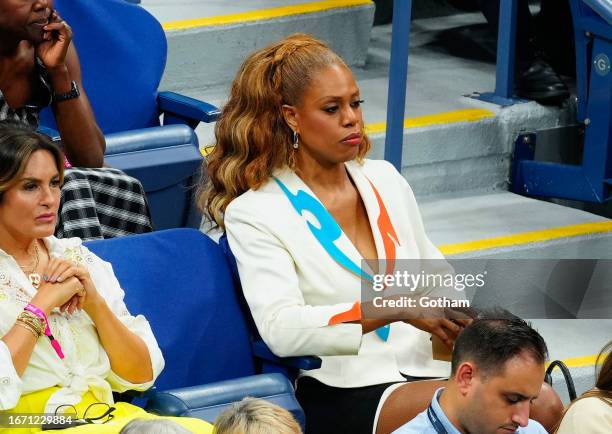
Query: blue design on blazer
pixel 383 332
pixel 329 232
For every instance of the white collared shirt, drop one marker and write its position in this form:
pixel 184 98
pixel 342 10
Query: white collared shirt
pixel 86 365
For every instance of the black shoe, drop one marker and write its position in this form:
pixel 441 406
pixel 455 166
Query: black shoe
pixel 541 83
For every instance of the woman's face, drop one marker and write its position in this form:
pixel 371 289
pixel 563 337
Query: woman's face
pixel 25 19
pixel 328 118
pixel 28 210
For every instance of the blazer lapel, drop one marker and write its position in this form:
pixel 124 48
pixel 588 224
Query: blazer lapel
pixel 320 222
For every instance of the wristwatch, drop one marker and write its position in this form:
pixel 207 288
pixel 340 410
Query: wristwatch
pixel 71 94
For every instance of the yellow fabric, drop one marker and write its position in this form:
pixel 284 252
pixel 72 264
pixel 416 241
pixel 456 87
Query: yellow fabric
pixel 124 413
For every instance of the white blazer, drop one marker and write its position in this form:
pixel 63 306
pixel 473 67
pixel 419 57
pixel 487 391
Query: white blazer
pixel 294 287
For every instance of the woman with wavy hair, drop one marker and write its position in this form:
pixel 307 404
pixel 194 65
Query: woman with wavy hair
pixel 591 413
pixel 302 209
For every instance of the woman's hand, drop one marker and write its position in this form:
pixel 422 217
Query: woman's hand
pixel 57 36
pixel 59 270
pixel 444 323
pixel 52 295
pixel 443 328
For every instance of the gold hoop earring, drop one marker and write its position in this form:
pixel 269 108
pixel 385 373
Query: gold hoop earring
pixel 296 140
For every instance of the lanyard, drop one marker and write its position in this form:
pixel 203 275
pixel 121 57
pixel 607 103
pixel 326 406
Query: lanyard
pixel 431 414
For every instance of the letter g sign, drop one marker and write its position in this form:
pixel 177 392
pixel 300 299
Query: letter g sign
pixel 602 64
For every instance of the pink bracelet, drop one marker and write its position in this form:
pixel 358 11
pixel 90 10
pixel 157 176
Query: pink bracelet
pixel 39 313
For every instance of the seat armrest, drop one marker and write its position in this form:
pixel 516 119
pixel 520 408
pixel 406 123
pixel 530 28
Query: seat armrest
pixel 150 138
pixel 261 351
pixel 208 401
pixel 183 109
pixel 53 133
pixel 602 7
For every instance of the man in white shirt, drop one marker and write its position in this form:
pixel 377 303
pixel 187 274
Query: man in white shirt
pixel 497 372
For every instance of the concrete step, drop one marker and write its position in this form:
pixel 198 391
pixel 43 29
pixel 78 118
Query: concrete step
pixel 452 143
pixel 507 226
pixel 504 224
pixel 207 41
pixel 445 147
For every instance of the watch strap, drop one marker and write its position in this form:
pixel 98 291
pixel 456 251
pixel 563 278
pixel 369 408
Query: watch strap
pixel 71 94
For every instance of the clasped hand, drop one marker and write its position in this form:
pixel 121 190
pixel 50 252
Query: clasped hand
pixel 66 285
pixel 445 323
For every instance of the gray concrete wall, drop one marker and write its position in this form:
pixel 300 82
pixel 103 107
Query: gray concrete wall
pixel 207 56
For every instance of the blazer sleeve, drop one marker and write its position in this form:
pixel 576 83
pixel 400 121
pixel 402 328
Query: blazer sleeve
pixel 270 284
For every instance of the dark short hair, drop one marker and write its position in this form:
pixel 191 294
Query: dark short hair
pixel 493 339
pixel 17 144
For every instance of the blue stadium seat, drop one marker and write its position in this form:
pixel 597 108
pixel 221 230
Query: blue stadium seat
pixel 181 281
pixel 122 49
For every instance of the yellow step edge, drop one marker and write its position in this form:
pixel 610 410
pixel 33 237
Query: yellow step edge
pixel 465 115
pixel 263 14
pixel 528 237
pixel 581 362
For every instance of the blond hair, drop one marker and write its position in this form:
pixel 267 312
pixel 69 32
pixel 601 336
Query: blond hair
pixel 154 426
pixel 256 416
pixel 252 137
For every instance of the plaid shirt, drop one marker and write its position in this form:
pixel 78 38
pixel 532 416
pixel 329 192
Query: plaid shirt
pixel 101 203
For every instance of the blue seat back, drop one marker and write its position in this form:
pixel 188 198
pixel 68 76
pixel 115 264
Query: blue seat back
pixel 122 49
pixel 265 360
pixel 180 280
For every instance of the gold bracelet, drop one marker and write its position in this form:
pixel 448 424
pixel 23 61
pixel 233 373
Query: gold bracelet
pixel 28 327
pixel 34 321
pixel 33 325
pixel 26 314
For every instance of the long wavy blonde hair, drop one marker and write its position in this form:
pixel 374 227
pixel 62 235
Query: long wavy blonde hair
pixel 252 137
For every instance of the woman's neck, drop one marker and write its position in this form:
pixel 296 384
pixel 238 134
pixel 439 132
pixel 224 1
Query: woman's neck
pixel 328 177
pixel 19 248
